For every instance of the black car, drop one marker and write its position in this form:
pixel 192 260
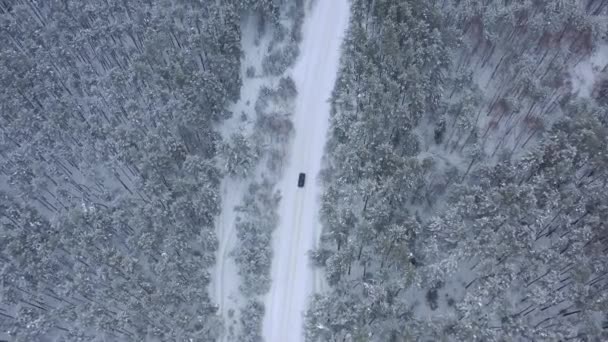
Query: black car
pixel 301 179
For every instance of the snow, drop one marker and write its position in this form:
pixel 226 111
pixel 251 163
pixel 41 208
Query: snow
pixel 293 279
pixel 585 74
pixel 224 287
pixel 253 55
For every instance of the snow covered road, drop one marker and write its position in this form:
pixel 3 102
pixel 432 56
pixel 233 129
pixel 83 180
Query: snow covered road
pixel 293 280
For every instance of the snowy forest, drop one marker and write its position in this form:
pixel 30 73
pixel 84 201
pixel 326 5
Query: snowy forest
pixel 110 164
pixel 463 183
pixel 465 174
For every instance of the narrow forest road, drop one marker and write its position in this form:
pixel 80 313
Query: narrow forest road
pixel 225 280
pixel 293 280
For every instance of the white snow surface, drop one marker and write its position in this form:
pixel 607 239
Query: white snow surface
pixel 585 74
pixel 225 281
pixel 315 72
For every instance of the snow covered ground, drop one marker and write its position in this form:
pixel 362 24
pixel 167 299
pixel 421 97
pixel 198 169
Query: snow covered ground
pixel 293 280
pixel 224 287
pixel 585 74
